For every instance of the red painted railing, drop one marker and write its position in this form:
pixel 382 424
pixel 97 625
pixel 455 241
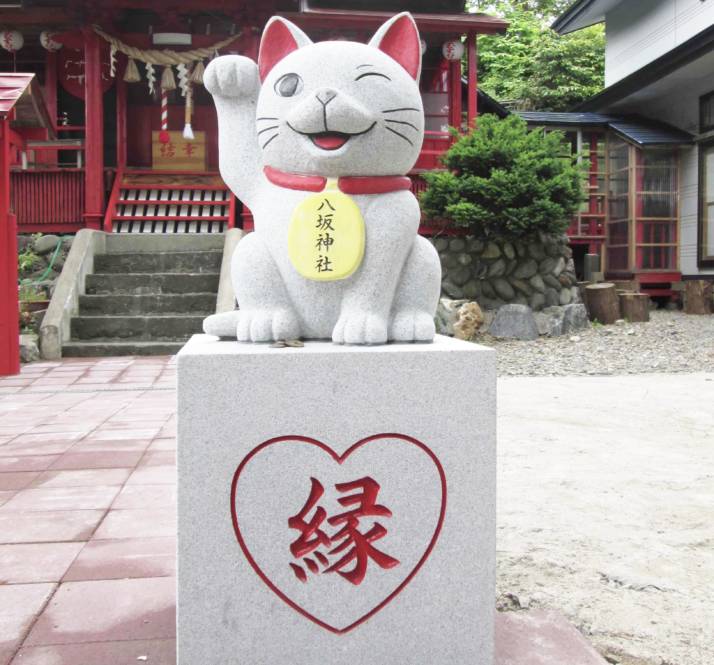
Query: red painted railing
pixel 48 200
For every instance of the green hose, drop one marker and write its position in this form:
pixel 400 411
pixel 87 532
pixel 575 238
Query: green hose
pixel 49 267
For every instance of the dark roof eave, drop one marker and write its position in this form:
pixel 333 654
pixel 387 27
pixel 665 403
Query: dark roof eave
pixel 637 130
pixel 682 55
pixel 561 24
pixel 447 23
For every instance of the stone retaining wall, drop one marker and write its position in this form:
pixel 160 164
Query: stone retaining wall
pixel 538 272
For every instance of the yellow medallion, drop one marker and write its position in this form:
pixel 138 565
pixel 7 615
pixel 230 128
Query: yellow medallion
pixel 326 235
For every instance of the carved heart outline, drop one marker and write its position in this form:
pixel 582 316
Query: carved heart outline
pixel 340 459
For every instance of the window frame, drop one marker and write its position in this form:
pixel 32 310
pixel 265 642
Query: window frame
pixel 703 261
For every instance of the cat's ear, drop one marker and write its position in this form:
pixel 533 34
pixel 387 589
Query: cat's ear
pixel 399 39
pixel 280 37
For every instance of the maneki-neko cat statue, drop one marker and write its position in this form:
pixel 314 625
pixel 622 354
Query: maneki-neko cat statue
pixel 316 139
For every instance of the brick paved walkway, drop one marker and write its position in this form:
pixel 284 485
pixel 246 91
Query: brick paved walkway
pixel 87 513
pixel 88 528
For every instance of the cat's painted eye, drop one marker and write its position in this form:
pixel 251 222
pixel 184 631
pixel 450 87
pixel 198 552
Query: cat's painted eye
pixel 288 85
pixel 361 76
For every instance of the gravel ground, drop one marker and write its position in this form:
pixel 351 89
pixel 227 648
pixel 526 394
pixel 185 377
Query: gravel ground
pixel 671 342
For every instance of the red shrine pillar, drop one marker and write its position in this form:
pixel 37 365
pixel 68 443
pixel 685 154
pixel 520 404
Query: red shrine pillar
pixel 9 319
pixel 472 103
pixel 455 94
pixel 121 117
pixel 93 131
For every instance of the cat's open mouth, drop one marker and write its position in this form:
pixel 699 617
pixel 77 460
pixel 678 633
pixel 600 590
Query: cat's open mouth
pixel 329 140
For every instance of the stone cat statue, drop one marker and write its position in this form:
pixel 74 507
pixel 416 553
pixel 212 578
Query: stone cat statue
pixel 314 133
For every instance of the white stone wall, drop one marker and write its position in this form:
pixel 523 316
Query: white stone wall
pixel 640 31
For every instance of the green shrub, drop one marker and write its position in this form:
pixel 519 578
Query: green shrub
pixel 27 260
pixel 505 181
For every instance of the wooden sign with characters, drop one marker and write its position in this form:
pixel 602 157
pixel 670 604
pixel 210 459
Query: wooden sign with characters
pixel 178 153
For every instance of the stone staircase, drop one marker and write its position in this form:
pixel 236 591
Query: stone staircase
pixel 146 300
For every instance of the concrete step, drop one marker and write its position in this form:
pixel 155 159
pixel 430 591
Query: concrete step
pixel 157 242
pixel 167 303
pixel 151 283
pixel 114 347
pixel 146 328
pixel 159 262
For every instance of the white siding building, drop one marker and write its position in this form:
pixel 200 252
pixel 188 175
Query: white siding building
pixel 659 66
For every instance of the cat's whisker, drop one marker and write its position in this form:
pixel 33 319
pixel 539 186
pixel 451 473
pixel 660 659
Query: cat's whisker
pixel 266 129
pixel 266 118
pixel 400 135
pixel 269 140
pixel 403 108
pixel 403 122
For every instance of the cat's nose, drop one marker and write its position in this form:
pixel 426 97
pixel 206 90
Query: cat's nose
pixel 325 96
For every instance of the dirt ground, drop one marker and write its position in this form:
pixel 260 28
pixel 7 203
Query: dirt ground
pixel 606 509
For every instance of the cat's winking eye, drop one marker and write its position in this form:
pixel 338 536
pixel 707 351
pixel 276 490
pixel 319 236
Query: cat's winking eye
pixel 361 76
pixel 288 85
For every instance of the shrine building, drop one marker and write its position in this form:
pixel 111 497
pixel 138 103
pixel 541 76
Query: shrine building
pixel 122 136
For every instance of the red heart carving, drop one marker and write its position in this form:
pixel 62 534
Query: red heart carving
pixel 340 460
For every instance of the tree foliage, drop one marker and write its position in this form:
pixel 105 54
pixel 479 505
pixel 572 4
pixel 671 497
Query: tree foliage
pixel 546 9
pixel 506 181
pixel 532 67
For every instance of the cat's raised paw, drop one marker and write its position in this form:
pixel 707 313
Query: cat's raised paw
pixel 266 325
pixel 360 328
pixel 412 325
pixel 231 76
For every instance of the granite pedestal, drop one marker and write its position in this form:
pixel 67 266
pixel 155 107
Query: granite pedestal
pixel 336 504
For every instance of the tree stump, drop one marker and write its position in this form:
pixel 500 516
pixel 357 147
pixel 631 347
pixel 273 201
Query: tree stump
pixel 603 303
pixel 626 286
pixel 635 307
pixel 697 296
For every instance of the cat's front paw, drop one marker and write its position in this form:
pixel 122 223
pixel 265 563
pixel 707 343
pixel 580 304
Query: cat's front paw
pixel 266 325
pixel 221 325
pixel 412 325
pixel 360 327
pixel 231 76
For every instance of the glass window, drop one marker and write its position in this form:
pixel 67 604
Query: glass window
pixel 656 209
pixel 618 200
pixel 643 209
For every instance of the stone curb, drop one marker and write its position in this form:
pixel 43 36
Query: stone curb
pixel 69 286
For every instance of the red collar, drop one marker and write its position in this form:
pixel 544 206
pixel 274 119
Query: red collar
pixel 376 184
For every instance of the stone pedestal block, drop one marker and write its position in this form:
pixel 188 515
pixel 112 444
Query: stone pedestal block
pixel 336 504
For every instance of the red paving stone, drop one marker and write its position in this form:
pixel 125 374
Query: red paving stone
pixel 127 557
pixel 16 480
pixel 36 562
pixel 146 496
pixel 19 606
pixel 88 522
pixel 140 609
pixel 63 498
pixel 141 523
pixel 47 526
pixel 541 637
pixel 98 459
pixel 27 462
pixel 152 652
pixel 81 478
